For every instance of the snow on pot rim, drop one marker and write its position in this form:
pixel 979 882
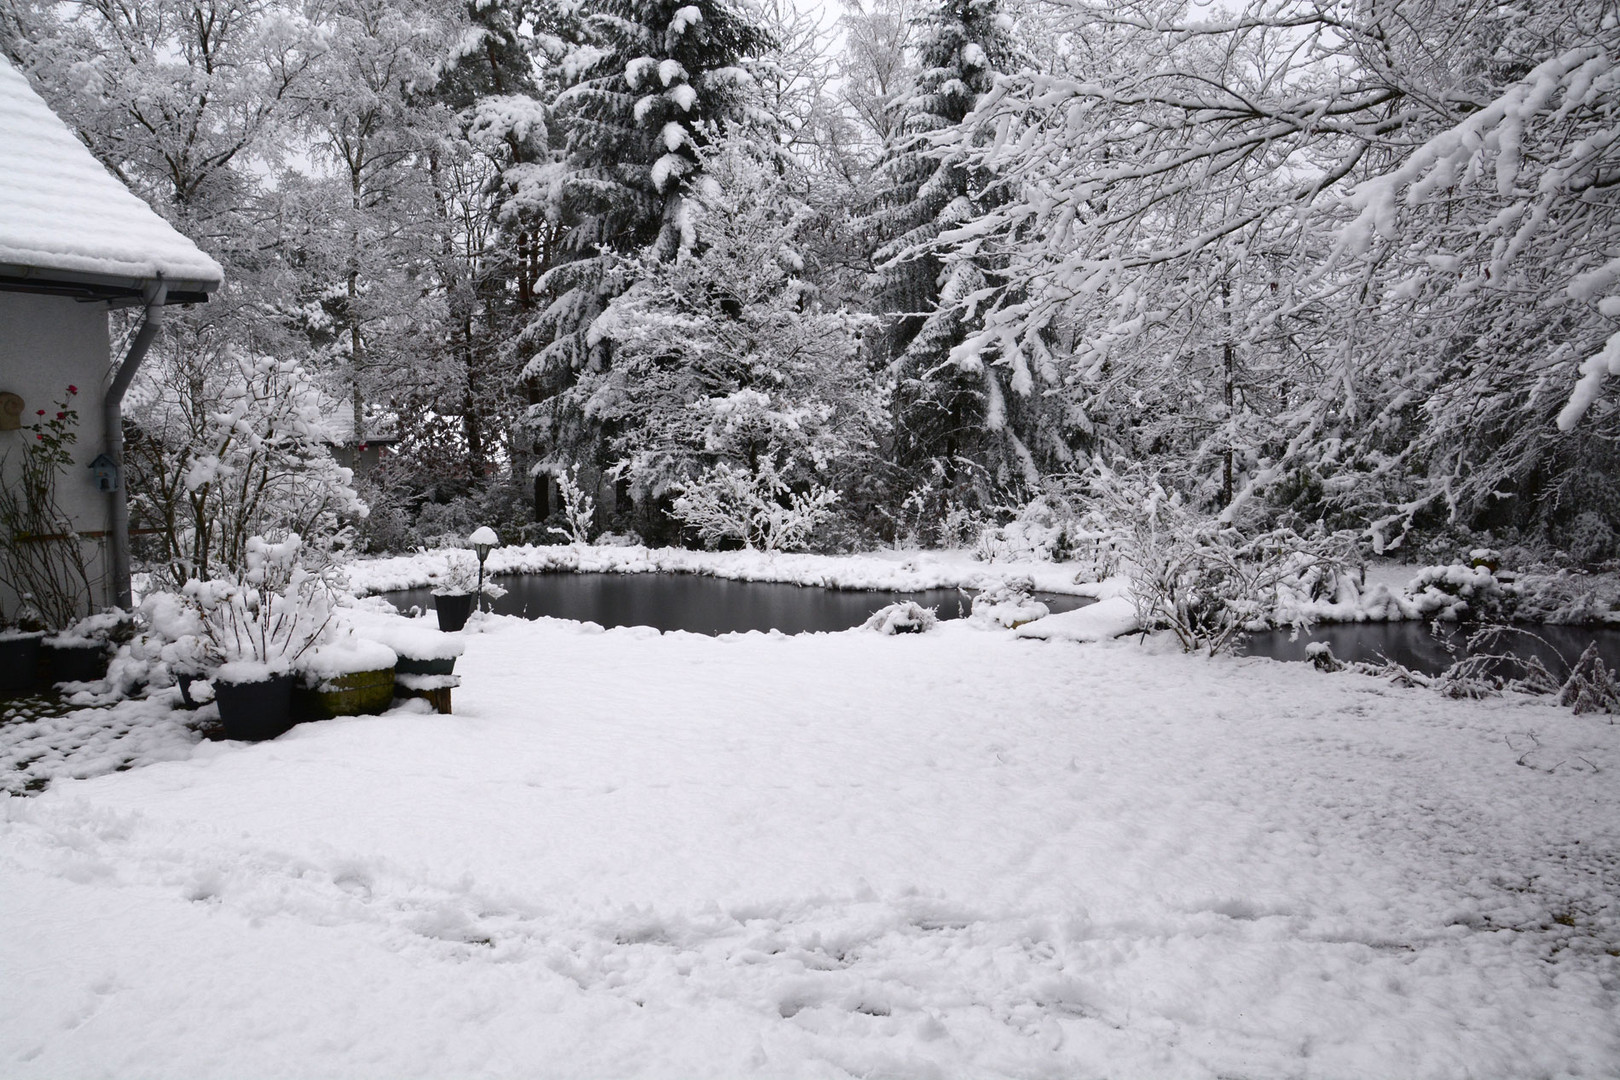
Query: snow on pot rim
pixel 349 655
pixel 242 672
pixel 418 642
pixel 417 639
pixel 71 640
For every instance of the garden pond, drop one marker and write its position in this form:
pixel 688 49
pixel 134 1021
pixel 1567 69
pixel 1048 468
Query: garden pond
pixel 710 605
pixel 703 604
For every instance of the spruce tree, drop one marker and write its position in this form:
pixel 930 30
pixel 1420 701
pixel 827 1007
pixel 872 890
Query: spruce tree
pixel 645 86
pixel 946 412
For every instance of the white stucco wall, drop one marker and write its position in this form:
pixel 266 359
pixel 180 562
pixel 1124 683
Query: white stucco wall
pixel 48 343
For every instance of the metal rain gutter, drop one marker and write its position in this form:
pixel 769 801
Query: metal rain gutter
pixel 157 294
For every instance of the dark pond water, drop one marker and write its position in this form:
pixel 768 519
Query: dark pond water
pixel 1416 645
pixel 702 604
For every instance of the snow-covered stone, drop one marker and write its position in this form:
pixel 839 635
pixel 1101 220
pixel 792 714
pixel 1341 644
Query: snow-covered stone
pixel 1096 622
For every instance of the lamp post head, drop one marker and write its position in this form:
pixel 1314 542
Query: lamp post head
pixel 484 539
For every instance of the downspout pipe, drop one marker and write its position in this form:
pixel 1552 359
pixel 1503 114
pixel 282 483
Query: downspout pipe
pixel 112 415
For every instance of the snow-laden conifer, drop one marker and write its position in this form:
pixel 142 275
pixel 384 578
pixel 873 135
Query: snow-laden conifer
pixel 967 409
pixel 728 373
pixel 645 85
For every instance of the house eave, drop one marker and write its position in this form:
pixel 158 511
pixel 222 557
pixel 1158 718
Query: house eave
pixel 114 290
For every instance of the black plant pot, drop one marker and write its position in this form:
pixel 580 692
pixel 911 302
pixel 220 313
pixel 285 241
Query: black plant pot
pixel 255 710
pixel 19 661
pixel 453 610
pixel 84 661
pixel 408 665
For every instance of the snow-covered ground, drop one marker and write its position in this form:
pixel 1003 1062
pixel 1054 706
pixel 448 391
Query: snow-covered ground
pixel 958 854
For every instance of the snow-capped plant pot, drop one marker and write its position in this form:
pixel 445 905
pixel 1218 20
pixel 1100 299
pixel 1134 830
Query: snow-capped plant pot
pixel 421 649
pixel 72 659
pixel 455 588
pixel 253 709
pixel 454 609
pixel 437 665
pixel 19 660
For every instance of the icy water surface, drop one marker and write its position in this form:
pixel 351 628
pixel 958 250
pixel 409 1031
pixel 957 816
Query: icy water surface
pixel 702 604
pixel 1417 645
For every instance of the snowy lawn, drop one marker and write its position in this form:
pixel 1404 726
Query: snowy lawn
pixel 960 854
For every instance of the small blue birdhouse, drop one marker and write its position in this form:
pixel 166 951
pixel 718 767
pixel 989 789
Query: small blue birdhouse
pixel 105 470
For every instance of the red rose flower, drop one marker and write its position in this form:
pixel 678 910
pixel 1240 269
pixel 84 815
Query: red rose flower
pixel 61 416
pixel 73 389
pixel 40 413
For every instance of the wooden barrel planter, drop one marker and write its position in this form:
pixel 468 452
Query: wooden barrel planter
pixel 434 689
pixel 359 693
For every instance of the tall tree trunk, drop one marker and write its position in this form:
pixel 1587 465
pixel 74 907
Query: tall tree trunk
pixel 471 418
pixel 356 339
pixel 1228 396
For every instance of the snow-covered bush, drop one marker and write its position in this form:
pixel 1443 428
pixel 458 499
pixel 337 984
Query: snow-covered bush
pixel 1009 603
pixel 111 626
pixel 1040 532
pixel 905 617
pixel 261 621
pixel 758 509
pixel 1207 581
pixel 168 646
pixel 232 447
pixel 578 508
pixel 1566 598
pixel 1459 593
pixel 1591 686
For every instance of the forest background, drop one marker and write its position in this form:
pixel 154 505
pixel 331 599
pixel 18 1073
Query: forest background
pixel 732 273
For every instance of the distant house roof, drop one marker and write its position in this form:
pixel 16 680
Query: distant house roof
pixel 381 424
pixel 69 226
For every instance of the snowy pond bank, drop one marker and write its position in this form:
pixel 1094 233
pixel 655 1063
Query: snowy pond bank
pixel 705 604
pixel 959 853
pixel 1383 615
pixel 882 571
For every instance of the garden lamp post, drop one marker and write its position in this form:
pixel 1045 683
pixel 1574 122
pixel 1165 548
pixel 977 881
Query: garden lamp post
pixel 482 541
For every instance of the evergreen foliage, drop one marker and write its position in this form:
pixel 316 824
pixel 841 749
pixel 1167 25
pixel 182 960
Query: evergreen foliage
pixel 947 413
pixel 643 87
pixel 724 357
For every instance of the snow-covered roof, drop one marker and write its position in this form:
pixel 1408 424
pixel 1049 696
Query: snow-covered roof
pixel 68 225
